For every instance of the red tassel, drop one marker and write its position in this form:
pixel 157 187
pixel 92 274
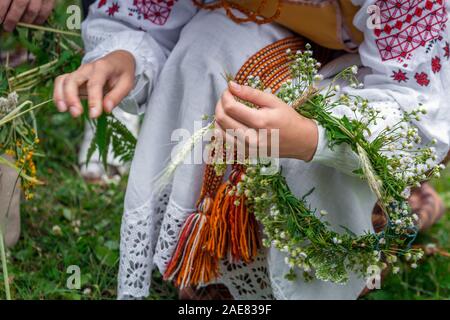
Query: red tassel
pixel 221 227
pixel 191 263
pixel 179 253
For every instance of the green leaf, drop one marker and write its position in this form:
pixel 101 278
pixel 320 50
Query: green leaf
pixel 91 150
pixel 67 213
pixel 101 138
pixel 106 256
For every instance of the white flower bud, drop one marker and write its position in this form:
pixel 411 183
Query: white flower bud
pixel 318 77
pixel 57 230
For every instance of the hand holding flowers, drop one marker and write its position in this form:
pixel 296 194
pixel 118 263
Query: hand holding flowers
pixel 391 161
pixel 297 134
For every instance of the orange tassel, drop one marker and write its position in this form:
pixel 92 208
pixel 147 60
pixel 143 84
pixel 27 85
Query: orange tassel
pixel 186 232
pixel 221 227
pixel 198 266
pixel 234 229
pixel 191 264
pixel 217 242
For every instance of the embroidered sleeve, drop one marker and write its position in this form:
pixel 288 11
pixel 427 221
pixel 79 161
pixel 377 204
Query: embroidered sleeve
pixel 102 36
pixel 406 53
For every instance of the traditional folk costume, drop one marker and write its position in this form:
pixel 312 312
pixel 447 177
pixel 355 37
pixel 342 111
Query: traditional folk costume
pixel 181 54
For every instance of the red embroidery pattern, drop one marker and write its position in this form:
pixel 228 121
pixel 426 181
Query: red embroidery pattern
pixel 436 64
pixel 113 9
pixel 408 25
pixel 155 11
pixel 399 76
pixel 422 79
pixel 447 50
pixel 101 3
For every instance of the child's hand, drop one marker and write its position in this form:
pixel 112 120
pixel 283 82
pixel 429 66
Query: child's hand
pixel 298 135
pixel 113 73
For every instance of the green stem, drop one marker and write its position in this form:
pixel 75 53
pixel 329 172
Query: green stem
pixel 25 89
pixel 29 84
pixel 32 26
pixel 33 72
pixel 4 265
pixel 16 111
pixel 8 119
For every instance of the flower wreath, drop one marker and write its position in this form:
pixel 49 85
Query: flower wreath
pixel 225 223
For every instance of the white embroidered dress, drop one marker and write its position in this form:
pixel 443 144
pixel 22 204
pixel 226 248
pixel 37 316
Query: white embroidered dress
pixel 181 53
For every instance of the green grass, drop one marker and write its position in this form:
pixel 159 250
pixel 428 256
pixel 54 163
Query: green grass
pixel 431 280
pixel 89 219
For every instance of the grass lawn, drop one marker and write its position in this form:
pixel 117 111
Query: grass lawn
pixel 69 222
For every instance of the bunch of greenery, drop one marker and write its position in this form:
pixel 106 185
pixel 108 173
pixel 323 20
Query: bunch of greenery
pixel 24 90
pixel 19 87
